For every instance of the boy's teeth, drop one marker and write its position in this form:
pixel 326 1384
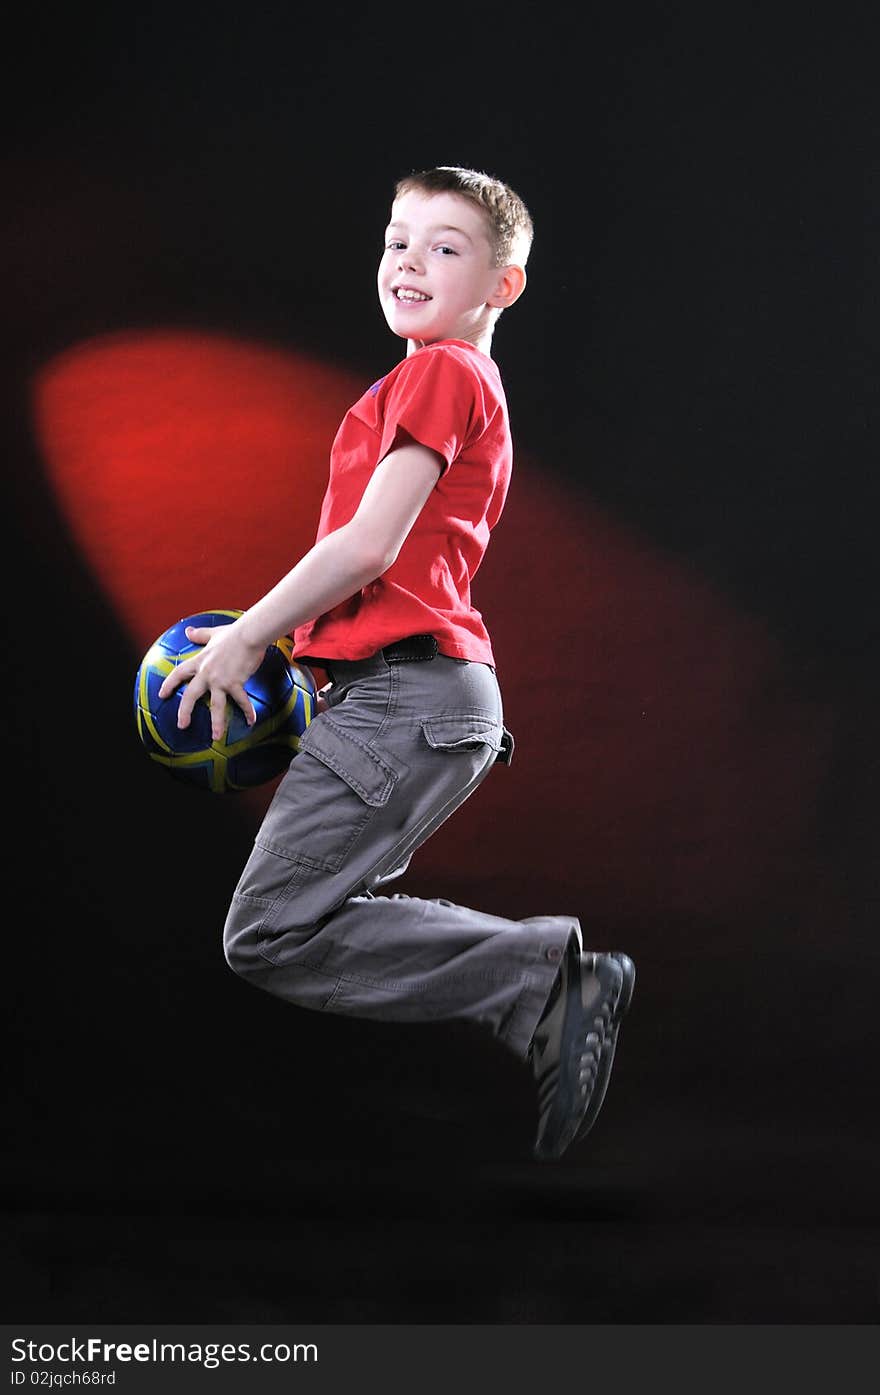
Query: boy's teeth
pixel 412 295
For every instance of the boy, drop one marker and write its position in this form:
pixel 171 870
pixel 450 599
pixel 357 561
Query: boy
pixel 411 720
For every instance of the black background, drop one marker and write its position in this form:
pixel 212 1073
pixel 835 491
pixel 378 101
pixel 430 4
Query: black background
pixel 697 355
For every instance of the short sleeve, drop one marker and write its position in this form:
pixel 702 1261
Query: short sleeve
pixel 434 398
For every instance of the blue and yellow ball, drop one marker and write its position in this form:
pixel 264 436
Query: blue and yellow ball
pixel 283 695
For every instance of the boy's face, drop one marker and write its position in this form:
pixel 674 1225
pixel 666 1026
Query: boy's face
pixel 436 278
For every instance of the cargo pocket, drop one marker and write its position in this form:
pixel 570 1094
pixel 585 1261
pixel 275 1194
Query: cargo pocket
pixel 336 784
pixel 463 731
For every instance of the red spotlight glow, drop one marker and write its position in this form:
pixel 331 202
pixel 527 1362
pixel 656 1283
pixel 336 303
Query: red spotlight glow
pixel 191 467
pixel 665 761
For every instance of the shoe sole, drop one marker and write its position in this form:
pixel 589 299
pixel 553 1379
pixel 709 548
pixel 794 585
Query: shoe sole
pixel 609 1045
pixel 564 1122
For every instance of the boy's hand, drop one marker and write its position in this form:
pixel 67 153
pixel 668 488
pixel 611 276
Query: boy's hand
pixel 220 670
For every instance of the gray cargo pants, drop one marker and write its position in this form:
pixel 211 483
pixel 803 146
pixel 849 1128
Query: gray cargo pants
pixel 402 745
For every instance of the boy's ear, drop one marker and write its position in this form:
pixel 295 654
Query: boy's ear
pixel 509 287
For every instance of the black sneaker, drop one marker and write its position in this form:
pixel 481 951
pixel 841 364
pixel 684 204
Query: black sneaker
pixel 616 1011
pixel 566 1050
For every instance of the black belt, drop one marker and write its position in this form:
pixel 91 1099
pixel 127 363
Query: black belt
pixel 414 650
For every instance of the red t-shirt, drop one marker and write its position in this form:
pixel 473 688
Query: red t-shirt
pixel 447 396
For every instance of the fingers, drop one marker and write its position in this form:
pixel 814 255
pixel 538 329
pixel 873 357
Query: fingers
pixel 239 696
pixel 199 673
pixel 178 675
pixel 183 672
pixel 197 687
pixel 218 713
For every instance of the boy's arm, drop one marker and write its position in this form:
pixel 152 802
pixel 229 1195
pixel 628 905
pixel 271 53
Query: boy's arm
pixel 334 569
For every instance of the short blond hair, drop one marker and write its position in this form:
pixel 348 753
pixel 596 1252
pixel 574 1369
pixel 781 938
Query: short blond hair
pixel 508 221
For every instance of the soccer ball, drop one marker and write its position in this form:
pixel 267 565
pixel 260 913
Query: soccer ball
pixel 283 695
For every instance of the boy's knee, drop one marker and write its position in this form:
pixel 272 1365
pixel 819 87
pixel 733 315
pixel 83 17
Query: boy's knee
pixel 241 935
pixel 245 940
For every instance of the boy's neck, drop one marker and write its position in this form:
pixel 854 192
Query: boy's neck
pixel 483 343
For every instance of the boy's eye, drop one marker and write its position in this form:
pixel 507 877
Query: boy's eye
pixel 395 245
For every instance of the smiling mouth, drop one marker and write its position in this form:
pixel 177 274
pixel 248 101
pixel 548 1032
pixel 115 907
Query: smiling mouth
pixel 408 297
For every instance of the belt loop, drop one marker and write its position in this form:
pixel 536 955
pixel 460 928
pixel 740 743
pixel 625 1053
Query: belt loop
pixel 505 755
